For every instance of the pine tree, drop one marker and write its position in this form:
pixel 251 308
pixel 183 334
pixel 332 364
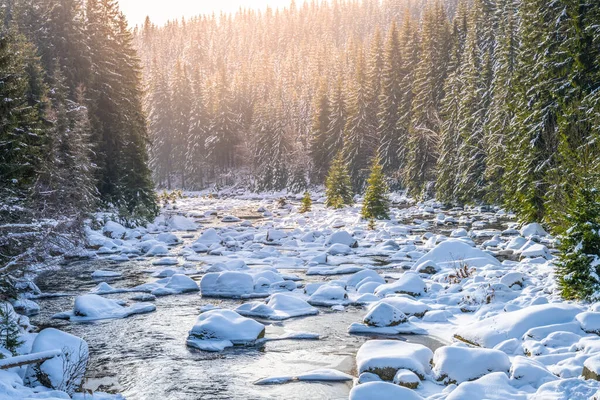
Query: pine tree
pixel 306 203
pixel 9 329
pixel 423 138
pixel 360 139
pixel 578 266
pixel 161 127
pixel 376 203
pixel 198 127
pixel 319 152
pixel 338 114
pixel 181 99
pixel 338 186
pixel 391 137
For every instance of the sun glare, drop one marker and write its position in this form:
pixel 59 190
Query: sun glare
pixel 160 11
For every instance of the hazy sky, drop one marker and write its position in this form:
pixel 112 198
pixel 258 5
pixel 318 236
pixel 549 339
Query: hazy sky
pixel 162 10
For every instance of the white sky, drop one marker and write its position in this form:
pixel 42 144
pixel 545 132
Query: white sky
pixel 162 10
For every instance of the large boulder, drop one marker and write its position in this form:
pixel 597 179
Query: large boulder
pixel 455 253
pixel 385 357
pixel 61 373
pixel 457 364
pixel 217 329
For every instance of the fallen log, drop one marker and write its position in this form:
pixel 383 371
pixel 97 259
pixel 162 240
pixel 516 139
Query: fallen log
pixel 33 358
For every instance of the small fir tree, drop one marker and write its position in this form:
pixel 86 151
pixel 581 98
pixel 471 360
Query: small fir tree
pixel 338 184
pixel 306 203
pixel 578 266
pixel 376 204
pixel 372 224
pixel 9 329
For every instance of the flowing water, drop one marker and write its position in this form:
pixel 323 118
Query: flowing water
pixel 145 356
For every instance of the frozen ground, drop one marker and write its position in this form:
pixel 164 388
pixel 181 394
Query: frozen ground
pixel 456 304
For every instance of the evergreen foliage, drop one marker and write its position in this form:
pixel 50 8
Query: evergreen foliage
pixel 9 329
pixel 578 266
pixel 306 203
pixel 338 184
pixel 376 204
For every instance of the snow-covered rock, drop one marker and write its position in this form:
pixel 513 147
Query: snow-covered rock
pixel 217 329
pixel 114 230
pixel 457 364
pixel 100 274
pixel 280 306
pixel 407 378
pixel 91 307
pixel 454 253
pixel 55 371
pixel 589 322
pixel 341 237
pixel 527 371
pixel 174 284
pixel 209 237
pixel 228 284
pixel 491 331
pixel 382 391
pixel 533 229
pixel 328 295
pixel 407 305
pixel 181 223
pixel 409 283
pixel 384 314
pixel 386 357
pixel 494 386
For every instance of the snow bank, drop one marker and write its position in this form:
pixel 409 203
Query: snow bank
pixel 174 284
pixel 494 386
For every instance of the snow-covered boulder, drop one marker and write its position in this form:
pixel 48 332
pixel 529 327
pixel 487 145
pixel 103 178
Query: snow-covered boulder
pixel 100 274
pixel 407 378
pixel 227 284
pixel 279 307
pixel 341 237
pixel 457 364
pixel 361 277
pixel 494 386
pixel 167 238
pixel 533 229
pixel 589 322
pixel 527 371
pixel 427 267
pixel 567 389
pixel 61 373
pixel 166 261
pixel 181 223
pixel 209 237
pixel 533 250
pixel 591 368
pixel 329 295
pixel 91 307
pixel 384 314
pixel 217 329
pixel 114 230
pixel 386 357
pixel 274 235
pixel 174 284
pixel 382 391
pixel 491 331
pixel 512 278
pixel 339 249
pixel 454 253
pixel 409 283
pixel 407 305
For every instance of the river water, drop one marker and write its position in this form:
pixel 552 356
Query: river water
pixel 145 356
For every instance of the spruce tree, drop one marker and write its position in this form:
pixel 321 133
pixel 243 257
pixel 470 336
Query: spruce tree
pixel 321 119
pixel 306 203
pixel 376 204
pixel 181 99
pixel 578 265
pixel 338 186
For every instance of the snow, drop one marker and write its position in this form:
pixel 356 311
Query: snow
pixel 491 331
pixel 114 230
pixel 407 305
pixel 100 274
pixel 279 307
pixel 454 253
pixel 457 364
pixel 383 314
pixel 341 237
pixel 533 229
pixel 589 321
pixel 316 375
pixel 409 283
pixel 74 351
pixel 218 329
pixel 91 307
pixel 386 357
pixel 526 371
pixel 494 386
pixel 209 237
pixel 174 284
pixel 382 391
pixel 329 295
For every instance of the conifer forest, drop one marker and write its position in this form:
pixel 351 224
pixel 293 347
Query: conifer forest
pixel 418 179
